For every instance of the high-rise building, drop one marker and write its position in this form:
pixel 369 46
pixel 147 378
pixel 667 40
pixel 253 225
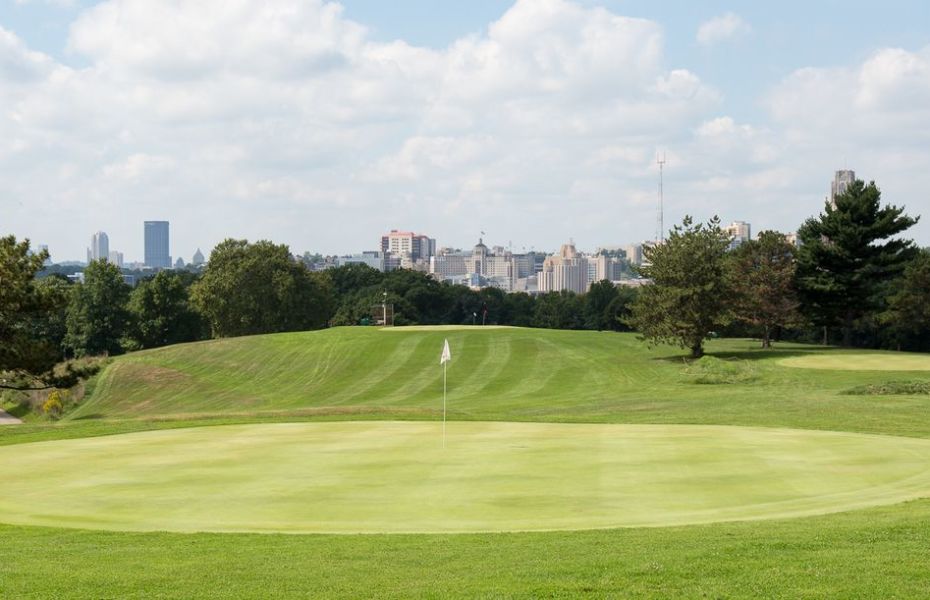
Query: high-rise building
pixel 99 247
pixel 566 271
pixel 634 254
pixel 115 258
pixel 417 247
pixel 197 260
pixel 739 232
pixel 157 253
pixel 841 182
pixel 482 267
pixel 601 267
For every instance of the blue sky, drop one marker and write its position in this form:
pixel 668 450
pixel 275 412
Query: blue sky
pixel 753 114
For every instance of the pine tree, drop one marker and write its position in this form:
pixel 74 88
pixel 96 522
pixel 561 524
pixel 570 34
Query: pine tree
pixel 908 315
pixel 849 256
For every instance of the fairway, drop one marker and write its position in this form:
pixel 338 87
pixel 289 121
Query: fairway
pixel 842 361
pixel 366 477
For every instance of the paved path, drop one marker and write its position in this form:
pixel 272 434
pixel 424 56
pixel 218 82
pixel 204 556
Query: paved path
pixel 8 419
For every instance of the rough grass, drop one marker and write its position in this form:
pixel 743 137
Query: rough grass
pixel 712 370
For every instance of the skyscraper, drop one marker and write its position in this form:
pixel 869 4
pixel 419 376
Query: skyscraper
pixel 841 181
pixel 157 253
pixel 99 247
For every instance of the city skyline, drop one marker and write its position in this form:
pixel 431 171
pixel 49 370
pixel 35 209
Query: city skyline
pixel 450 123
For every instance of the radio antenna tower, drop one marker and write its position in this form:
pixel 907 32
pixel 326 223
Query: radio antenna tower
pixel 660 215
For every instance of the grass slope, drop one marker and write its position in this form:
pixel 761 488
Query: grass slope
pixel 504 374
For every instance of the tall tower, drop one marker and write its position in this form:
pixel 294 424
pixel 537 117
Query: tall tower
pixel 841 182
pixel 157 253
pixel 660 213
pixel 99 246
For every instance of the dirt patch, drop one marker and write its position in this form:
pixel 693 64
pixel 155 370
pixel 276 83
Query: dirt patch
pixel 154 374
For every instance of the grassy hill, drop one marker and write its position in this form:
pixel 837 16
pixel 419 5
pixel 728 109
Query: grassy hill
pixel 496 374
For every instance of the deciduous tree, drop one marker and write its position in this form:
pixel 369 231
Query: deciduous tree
pixel 762 276
pixel 689 294
pixel 97 317
pixel 162 312
pixel 259 288
pixel 29 319
pixel 596 301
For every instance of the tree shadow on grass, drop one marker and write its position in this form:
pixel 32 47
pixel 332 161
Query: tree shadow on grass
pixel 752 354
pixel 89 417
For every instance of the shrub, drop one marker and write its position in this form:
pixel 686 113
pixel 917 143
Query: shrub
pixel 891 388
pixel 53 406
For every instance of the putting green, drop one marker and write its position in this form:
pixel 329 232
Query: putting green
pixel 841 361
pixel 395 477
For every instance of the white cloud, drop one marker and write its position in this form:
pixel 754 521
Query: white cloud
pixel 287 121
pixel 722 28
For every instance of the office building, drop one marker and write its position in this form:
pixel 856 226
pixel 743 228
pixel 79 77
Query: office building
pixel 115 258
pixel 482 267
pixel 157 252
pixel 197 260
pixel 373 259
pixel 99 247
pixel 566 271
pixel 739 232
pixel 448 264
pixel 417 247
pixel 634 254
pixel 601 267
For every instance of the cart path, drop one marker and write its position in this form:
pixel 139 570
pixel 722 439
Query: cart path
pixel 8 419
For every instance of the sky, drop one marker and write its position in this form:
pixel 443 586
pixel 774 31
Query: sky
pixel 323 125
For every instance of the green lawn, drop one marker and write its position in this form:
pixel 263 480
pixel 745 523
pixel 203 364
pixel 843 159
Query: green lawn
pixel 395 477
pixel 503 375
pixel 861 361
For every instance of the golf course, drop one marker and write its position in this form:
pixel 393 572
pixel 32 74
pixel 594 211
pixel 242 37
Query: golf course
pixel 571 463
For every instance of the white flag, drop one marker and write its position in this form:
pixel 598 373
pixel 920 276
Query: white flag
pixel 446 354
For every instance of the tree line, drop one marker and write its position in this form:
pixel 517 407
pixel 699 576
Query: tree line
pixel 854 279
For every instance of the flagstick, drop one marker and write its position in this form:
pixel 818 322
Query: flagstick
pixel 443 406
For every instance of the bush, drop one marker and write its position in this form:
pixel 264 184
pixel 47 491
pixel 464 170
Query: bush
pixel 711 370
pixel 53 406
pixel 891 388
